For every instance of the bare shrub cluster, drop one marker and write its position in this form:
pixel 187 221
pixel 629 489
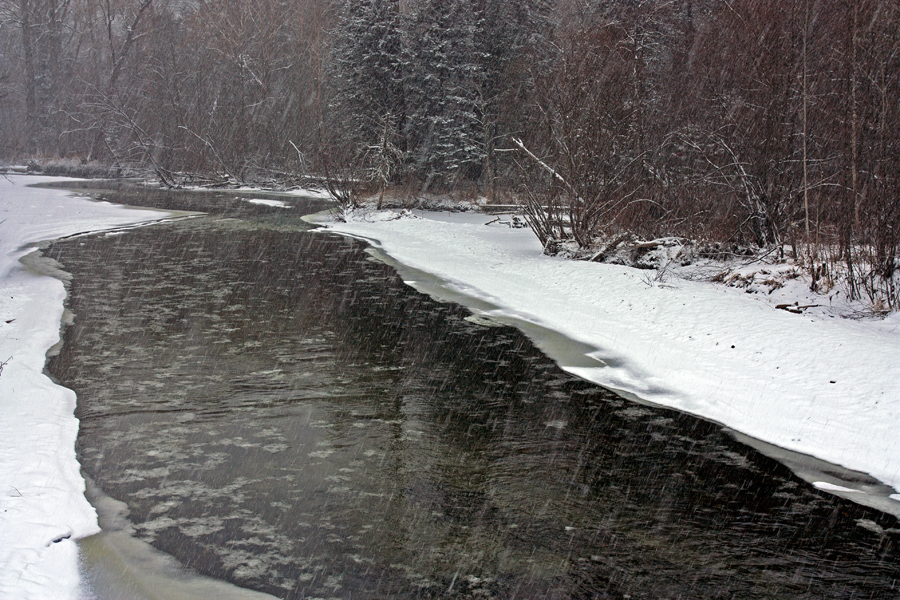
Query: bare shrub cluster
pixel 764 123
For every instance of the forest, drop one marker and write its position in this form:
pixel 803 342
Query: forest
pixel 754 124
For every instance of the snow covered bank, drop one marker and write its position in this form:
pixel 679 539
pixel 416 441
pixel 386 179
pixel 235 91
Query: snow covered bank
pixel 302 192
pixel 810 383
pixel 42 505
pixel 270 203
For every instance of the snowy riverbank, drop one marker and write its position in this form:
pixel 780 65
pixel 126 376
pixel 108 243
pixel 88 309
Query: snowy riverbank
pixel 810 383
pixel 42 505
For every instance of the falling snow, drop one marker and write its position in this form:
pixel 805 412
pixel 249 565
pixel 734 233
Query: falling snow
pixel 811 383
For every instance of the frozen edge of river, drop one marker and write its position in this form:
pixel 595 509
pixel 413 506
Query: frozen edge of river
pixel 43 510
pixel 116 564
pixel 42 506
pixel 766 375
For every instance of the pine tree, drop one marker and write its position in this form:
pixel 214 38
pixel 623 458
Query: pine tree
pixel 510 35
pixel 441 84
pixel 366 69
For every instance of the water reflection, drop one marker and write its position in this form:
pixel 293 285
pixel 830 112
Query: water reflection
pixel 279 410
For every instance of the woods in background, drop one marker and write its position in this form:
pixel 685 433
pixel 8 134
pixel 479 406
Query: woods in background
pixel 771 123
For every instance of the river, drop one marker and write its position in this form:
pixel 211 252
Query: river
pixel 277 409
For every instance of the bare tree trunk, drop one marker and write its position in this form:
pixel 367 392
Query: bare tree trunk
pixel 57 13
pixel 852 232
pixel 30 75
pixel 854 116
pixel 809 244
pixel 118 58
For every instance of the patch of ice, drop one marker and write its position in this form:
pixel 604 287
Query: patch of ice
pixel 275 448
pixel 322 454
pixel 871 526
pixel 155 525
pixel 830 487
pixel 811 383
pixel 204 526
pixel 272 203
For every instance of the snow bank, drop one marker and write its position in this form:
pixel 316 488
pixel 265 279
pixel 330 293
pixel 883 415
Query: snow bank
pixel 42 505
pixel 270 203
pixel 812 384
pixel 302 192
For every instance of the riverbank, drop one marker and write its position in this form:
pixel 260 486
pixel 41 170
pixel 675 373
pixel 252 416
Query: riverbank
pixel 706 349
pixel 811 383
pixel 43 510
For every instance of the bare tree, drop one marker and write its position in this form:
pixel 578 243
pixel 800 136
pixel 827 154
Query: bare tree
pixel 588 107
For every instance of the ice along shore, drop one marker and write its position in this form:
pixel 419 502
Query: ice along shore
pixel 43 510
pixel 798 385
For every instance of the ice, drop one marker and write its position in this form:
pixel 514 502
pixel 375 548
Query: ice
pixel 813 384
pixel 264 202
pixel 42 505
pixel 830 487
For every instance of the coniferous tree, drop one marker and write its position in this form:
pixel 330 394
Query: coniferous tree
pixel 441 84
pixel 365 70
pixel 509 36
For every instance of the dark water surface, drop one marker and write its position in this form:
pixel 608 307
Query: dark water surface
pixel 279 410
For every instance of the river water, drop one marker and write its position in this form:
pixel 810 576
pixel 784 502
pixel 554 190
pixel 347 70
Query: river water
pixel 277 409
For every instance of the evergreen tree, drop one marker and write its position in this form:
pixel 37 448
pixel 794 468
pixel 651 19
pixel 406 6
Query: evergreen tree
pixel 442 76
pixel 366 70
pixel 510 36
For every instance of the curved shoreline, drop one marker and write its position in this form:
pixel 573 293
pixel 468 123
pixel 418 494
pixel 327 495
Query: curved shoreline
pixel 43 510
pixel 405 246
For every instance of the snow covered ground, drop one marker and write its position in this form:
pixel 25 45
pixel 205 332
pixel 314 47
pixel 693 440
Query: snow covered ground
pixel 303 192
pixel 810 383
pixel 270 203
pixel 813 384
pixel 42 505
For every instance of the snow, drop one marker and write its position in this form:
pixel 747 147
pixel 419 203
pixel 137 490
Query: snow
pixel 42 505
pixel 830 487
pixel 310 193
pixel 810 383
pixel 301 192
pixel 264 202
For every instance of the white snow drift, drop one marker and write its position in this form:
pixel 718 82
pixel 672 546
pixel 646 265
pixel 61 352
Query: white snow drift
pixel 42 505
pixel 812 384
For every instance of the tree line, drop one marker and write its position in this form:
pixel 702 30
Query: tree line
pixel 771 123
